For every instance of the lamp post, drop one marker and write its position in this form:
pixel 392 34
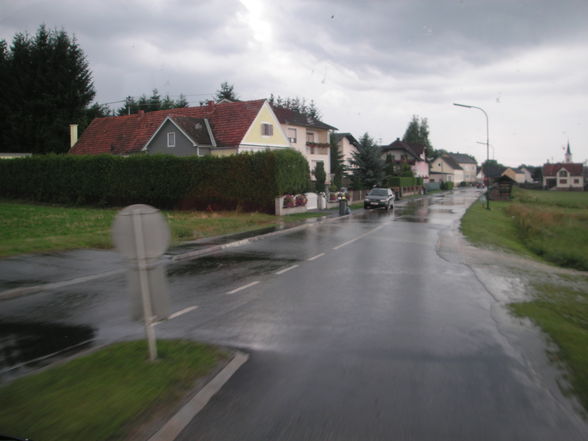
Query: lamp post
pixel 487 148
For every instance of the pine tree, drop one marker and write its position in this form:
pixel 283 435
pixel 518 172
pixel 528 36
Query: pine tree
pixel 337 163
pixel 417 132
pixel 368 165
pixel 226 92
pixel 48 84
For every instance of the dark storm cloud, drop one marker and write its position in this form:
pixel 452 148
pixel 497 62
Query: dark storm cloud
pixel 424 36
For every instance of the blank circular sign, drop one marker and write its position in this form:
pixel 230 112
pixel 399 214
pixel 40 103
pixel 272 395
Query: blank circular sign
pixel 153 228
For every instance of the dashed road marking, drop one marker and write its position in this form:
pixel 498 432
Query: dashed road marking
pixel 182 312
pixel 241 288
pixel 357 238
pixel 310 259
pixel 285 270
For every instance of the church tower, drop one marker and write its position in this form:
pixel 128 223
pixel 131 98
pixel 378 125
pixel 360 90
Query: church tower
pixel 568 155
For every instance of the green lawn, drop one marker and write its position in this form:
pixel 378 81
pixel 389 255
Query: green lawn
pixel 33 228
pixel 98 397
pixel 547 225
pixel 562 312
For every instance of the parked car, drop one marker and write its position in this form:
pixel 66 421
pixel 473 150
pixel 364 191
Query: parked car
pixel 379 198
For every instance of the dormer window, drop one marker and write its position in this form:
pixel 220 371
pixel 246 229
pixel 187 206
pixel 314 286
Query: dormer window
pixel 563 173
pixel 267 129
pixel 171 139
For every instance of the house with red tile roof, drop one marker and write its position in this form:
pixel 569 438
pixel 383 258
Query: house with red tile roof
pixel 414 154
pixel 308 135
pixel 565 175
pixel 214 129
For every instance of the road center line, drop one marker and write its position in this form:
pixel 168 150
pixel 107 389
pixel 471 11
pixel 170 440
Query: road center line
pixel 310 259
pixel 241 288
pixel 182 312
pixel 357 238
pixel 285 270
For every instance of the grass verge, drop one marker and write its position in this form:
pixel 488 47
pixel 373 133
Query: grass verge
pixel 99 396
pixel 31 228
pixel 562 312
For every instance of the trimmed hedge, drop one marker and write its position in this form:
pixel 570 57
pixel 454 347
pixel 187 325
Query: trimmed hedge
pixel 249 182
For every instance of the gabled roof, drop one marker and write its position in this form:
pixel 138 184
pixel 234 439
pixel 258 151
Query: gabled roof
pixel 451 162
pixel 130 133
pixel 575 169
pixel 293 118
pixel 197 130
pixel 492 170
pixel 400 145
pixel 461 158
pixel 339 136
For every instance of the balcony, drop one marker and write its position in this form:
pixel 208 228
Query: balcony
pixel 317 148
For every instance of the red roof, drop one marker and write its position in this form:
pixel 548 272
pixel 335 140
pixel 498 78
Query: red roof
pixel 129 134
pixel 573 168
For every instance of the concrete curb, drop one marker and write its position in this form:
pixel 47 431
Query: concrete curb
pixel 182 418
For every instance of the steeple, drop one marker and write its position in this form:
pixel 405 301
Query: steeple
pixel 568 155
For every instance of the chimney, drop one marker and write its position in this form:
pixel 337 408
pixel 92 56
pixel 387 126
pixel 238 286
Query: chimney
pixel 210 103
pixel 73 135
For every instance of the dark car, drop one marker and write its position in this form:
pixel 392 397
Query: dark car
pixel 379 198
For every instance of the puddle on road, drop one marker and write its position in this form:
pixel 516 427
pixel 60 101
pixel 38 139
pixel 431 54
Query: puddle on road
pixel 24 346
pixel 254 262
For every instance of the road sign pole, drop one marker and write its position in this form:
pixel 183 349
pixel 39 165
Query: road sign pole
pixel 144 283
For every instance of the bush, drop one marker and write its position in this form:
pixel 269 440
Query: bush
pixel 247 181
pixel 446 185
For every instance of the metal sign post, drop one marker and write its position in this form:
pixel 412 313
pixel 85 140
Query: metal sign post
pixel 141 234
pixel 145 294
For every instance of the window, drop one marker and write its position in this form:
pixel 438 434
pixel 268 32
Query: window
pixel 171 139
pixel 292 135
pixel 563 173
pixel 576 181
pixel 267 129
pixel 309 136
pixel 563 181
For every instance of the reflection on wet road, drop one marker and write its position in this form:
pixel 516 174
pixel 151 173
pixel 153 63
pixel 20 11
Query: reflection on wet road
pixel 356 327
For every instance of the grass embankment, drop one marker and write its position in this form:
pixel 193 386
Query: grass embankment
pixel 31 228
pixel 551 226
pixel 102 395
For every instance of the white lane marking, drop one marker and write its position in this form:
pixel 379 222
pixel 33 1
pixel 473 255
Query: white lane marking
pixel 285 270
pixel 357 238
pixel 241 288
pixel 310 259
pixel 182 312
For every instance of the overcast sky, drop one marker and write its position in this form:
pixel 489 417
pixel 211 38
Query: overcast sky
pixel 369 66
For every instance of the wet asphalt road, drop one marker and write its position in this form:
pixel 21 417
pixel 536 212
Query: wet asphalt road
pixel 357 330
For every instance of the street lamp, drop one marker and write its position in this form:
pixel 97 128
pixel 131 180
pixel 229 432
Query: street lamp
pixel 487 147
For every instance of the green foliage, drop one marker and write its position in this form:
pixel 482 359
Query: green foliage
pixel 447 185
pixel 320 176
pixel 369 166
pixel 337 164
pixel 46 86
pixel 226 92
pixel 397 181
pixel 417 132
pixel 297 105
pixel 150 104
pixel 248 181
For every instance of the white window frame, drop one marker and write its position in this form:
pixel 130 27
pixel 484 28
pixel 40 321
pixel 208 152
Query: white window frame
pixel 294 138
pixel 171 139
pixel 267 129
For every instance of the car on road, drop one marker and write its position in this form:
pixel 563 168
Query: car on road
pixel 379 198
